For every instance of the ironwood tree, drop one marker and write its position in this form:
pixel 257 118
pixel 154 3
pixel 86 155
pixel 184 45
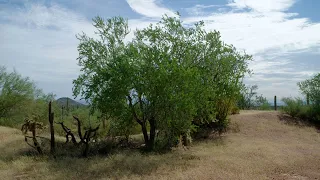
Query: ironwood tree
pixel 167 76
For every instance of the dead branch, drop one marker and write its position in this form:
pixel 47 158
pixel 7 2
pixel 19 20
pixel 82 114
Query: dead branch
pixel 79 129
pixel 68 133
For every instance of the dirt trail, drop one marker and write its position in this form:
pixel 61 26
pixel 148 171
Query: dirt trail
pixel 263 145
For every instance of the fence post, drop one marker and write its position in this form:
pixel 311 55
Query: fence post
pixel 275 103
pixel 52 142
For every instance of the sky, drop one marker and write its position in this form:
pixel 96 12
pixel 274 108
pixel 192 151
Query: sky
pixel 38 37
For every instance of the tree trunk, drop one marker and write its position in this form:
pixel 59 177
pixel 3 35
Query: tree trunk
pixel 103 123
pixel 86 150
pixel 152 134
pixel 145 133
pixel 185 140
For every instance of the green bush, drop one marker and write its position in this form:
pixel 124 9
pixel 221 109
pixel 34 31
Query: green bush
pixel 296 108
pixel 314 114
pixel 235 110
pixel 293 106
pixel 265 106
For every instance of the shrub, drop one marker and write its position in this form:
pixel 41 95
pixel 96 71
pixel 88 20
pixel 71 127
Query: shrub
pixel 311 88
pixel 296 108
pixel 293 106
pixel 314 114
pixel 265 106
pixel 235 110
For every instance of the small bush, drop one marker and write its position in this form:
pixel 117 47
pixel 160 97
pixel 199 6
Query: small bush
pixel 314 114
pixel 265 106
pixel 235 110
pixel 293 106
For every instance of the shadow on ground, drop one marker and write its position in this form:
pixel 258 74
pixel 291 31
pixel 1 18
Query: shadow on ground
pixel 297 122
pixel 104 161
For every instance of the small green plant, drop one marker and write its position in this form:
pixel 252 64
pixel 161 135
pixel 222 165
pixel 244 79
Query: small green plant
pixel 293 106
pixel 235 110
pixel 265 106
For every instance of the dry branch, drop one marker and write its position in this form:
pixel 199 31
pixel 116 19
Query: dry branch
pixel 68 133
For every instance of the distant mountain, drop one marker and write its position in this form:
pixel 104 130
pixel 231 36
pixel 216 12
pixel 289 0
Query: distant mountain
pixel 64 101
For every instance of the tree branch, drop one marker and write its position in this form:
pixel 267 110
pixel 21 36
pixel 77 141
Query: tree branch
pixel 141 107
pixel 133 111
pixel 68 133
pixel 79 128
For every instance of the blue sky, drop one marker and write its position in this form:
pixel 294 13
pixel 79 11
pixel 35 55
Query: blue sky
pixel 37 37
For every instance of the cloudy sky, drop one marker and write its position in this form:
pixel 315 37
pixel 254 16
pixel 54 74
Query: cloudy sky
pixel 37 37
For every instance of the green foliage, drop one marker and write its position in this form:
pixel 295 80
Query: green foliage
pixel 250 100
pixel 296 108
pixel 166 77
pixel 19 98
pixel 235 110
pixel 293 106
pixel 123 126
pixel 311 88
pixel 262 103
pixel 14 92
pixel 246 100
pixel 314 114
pixel 265 106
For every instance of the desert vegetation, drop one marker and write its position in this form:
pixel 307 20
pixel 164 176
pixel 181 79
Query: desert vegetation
pixel 164 103
pixel 309 110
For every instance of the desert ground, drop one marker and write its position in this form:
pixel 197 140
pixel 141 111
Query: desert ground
pixel 259 145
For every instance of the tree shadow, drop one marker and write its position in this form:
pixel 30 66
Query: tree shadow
pixel 286 119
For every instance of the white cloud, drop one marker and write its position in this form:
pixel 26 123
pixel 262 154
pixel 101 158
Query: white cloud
pixel 199 9
pixel 258 32
pixel 262 5
pixel 40 42
pixel 38 16
pixel 149 8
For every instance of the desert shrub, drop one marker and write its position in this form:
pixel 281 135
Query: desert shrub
pixel 314 114
pixel 293 107
pixel 304 112
pixel 124 126
pixel 235 110
pixel 311 88
pixel 246 100
pixel 296 108
pixel 223 109
pixel 265 106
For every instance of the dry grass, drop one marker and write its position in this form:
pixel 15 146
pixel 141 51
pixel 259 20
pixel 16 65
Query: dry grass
pixel 261 145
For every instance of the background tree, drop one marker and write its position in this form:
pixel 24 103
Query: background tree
pixel 19 97
pixel 311 88
pixel 14 90
pixel 248 94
